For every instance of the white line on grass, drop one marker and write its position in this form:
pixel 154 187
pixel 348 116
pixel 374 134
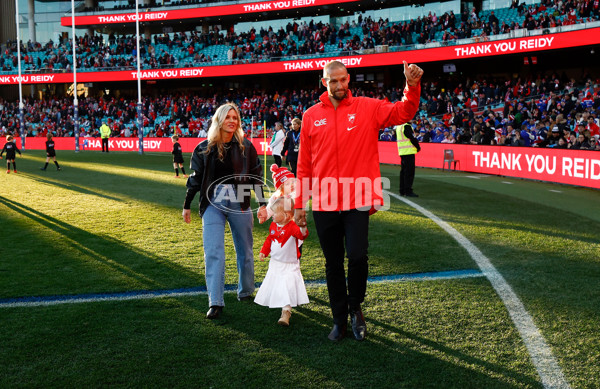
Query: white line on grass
pixel 507 182
pixel 555 191
pixel 45 301
pixel 541 356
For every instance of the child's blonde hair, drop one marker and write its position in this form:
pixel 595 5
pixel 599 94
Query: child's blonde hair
pixel 284 203
pixel 9 138
pixel 175 138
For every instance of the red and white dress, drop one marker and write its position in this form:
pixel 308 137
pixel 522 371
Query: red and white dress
pixel 283 285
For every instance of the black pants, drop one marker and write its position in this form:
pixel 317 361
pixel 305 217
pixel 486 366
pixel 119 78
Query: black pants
pixel 336 229
pixel 277 160
pixel 407 173
pixel 293 165
pixel 105 144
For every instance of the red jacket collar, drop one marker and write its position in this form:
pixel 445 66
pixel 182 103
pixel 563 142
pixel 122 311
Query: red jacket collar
pixel 325 99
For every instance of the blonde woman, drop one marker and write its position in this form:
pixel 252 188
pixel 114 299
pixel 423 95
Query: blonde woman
pixel 225 167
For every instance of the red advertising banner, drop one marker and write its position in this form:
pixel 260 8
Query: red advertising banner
pixel 512 46
pixel 200 12
pixel 126 144
pixel 574 167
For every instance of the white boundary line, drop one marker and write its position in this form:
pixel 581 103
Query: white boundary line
pixel 148 295
pixel 548 369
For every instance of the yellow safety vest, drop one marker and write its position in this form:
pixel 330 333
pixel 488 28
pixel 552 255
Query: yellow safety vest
pixel 104 131
pixel 405 147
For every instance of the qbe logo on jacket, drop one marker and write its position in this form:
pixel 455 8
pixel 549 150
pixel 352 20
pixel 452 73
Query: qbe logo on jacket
pixel 321 122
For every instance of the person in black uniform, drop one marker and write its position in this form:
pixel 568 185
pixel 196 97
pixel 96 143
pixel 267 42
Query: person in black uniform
pixel 50 152
pixel 11 149
pixel 291 146
pixel 177 156
pixel 408 147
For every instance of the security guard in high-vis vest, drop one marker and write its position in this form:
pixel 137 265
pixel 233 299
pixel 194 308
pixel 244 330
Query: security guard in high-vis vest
pixel 104 134
pixel 408 146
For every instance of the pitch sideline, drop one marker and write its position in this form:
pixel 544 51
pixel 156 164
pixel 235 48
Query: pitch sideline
pixel 45 301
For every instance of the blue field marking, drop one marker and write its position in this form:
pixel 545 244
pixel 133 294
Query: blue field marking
pixel 199 290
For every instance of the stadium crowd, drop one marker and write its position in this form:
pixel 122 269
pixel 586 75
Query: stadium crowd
pixel 518 113
pixel 182 49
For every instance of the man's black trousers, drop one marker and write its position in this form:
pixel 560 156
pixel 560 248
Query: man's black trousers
pixel 336 230
pixel 407 173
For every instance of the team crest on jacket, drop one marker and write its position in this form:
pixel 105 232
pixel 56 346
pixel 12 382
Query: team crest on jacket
pixel 351 117
pixel 272 232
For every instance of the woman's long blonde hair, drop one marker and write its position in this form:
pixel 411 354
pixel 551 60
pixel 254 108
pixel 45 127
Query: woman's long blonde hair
pixel 215 134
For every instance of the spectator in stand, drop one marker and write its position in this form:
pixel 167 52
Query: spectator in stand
pixel 552 140
pixel 477 138
pixel 439 135
pixel 562 143
pixel 423 136
pixel 582 143
pixel 386 136
pixel 516 139
pixel 448 137
pixel 526 136
pixel 464 136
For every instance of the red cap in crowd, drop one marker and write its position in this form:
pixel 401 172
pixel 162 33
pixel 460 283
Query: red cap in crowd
pixel 280 175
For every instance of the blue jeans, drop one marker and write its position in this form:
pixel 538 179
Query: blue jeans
pixel 225 209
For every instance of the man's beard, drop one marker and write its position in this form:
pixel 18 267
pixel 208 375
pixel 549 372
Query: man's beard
pixel 340 98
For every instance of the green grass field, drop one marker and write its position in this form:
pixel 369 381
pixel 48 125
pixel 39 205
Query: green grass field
pixel 112 223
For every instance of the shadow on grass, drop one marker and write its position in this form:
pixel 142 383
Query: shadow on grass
pixel 72 187
pixel 377 362
pixel 120 264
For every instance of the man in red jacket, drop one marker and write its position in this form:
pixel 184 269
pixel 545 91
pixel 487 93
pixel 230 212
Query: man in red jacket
pixel 338 166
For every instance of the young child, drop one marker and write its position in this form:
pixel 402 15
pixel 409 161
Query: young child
pixel 50 152
pixel 285 185
pixel 283 286
pixel 11 149
pixel 177 156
